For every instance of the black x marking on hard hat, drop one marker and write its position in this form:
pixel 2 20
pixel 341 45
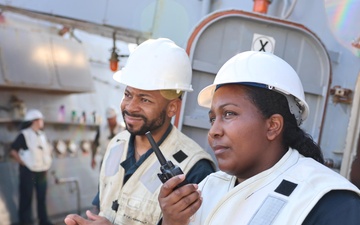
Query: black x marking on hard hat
pixel 263 46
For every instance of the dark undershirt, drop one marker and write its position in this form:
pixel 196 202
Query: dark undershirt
pixel 335 208
pixel 19 143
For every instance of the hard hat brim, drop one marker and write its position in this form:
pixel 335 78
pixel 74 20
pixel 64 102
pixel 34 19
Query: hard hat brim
pixel 206 95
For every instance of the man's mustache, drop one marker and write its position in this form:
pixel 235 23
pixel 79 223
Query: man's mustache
pixel 133 115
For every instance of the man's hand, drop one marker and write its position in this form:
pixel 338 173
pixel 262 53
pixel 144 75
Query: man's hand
pixel 93 219
pixel 180 204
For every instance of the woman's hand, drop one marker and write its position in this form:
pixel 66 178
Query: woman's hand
pixel 16 157
pixel 180 204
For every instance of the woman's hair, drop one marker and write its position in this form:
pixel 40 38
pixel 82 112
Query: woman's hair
pixel 25 124
pixel 271 102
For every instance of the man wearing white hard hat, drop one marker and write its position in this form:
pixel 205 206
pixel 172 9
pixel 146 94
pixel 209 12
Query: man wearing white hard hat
pixel 33 153
pixel 156 75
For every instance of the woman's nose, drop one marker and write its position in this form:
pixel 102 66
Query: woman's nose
pixel 215 130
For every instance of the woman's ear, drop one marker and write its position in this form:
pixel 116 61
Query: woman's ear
pixel 275 126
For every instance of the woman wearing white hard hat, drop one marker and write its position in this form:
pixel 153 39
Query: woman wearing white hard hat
pixel 271 171
pixel 31 150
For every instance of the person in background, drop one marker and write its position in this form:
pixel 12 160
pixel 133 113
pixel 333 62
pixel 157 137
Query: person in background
pixel 33 153
pixel 271 171
pixel 105 134
pixel 102 139
pixel 156 75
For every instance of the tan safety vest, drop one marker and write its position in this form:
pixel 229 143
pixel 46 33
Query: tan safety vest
pixel 137 201
pixel 283 194
pixel 37 157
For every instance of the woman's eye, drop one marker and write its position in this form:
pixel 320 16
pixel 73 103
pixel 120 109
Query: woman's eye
pixel 227 114
pixel 211 120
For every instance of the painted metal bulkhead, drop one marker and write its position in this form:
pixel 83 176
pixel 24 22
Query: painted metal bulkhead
pixel 232 31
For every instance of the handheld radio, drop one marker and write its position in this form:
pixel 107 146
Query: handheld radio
pixel 167 168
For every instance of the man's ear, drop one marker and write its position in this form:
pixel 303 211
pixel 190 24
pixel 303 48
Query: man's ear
pixel 173 107
pixel 275 126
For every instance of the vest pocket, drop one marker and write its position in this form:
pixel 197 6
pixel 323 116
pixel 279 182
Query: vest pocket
pixel 138 211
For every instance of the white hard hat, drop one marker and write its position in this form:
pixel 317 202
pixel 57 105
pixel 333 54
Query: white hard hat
pixel 111 112
pixel 157 64
pixel 261 68
pixel 33 114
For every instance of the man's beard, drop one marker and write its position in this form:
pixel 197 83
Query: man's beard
pixel 147 126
